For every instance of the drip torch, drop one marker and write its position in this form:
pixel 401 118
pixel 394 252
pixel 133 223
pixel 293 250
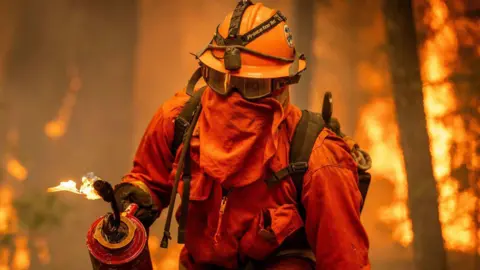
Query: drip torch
pixel 117 241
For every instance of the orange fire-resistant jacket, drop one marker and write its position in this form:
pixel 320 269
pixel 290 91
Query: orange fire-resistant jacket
pixel 224 237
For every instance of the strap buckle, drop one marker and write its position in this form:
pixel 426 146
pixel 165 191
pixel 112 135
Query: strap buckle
pixel 297 167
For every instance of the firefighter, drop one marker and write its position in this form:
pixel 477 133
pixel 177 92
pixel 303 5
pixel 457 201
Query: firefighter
pixel 240 136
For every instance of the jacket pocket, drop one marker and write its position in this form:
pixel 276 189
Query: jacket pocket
pixel 269 230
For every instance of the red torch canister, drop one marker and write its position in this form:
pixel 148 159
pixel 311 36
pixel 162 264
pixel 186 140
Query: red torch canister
pixel 130 253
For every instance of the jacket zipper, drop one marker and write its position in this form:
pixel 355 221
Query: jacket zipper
pixel 223 204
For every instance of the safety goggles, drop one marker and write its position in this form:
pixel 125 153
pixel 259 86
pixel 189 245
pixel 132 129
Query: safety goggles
pixel 249 88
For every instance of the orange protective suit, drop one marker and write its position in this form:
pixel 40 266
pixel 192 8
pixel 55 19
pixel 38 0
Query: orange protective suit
pixel 235 146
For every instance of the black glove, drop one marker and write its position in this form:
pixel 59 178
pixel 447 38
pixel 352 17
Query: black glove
pixel 127 193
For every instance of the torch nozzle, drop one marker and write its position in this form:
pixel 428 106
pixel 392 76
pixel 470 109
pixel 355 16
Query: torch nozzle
pixel 105 190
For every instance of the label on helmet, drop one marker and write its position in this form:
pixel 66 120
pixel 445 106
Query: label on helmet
pixel 288 35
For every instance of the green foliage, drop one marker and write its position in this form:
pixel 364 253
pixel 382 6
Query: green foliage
pixel 39 212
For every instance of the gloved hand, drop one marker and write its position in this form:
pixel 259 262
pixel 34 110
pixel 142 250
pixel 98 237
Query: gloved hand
pixel 127 193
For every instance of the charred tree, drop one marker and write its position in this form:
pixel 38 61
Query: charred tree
pixel 428 245
pixel 304 15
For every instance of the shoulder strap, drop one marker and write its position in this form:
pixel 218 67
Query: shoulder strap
pixel 183 120
pixel 306 133
pixel 304 137
pixel 184 126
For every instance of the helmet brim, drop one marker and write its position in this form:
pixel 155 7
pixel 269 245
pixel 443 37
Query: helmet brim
pixel 256 72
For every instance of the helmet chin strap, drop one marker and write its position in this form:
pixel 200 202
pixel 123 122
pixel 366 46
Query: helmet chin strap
pixel 196 76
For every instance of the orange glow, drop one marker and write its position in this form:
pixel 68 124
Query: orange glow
pixel 4 257
pixel 43 252
pixel 57 128
pixel 17 170
pixel 455 206
pixel 381 132
pixel 21 257
pixel 86 188
pixel 164 259
pixel 8 217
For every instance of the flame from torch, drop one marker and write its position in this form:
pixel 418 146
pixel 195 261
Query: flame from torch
pixel 93 188
pixel 86 188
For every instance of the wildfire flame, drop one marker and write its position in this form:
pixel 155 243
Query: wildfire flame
pixel 57 127
pixel 455 206
pixel 21 258
pixel 85 189
pixel 446 131
pixel 8 217
pixel 43 255
pixel 4 255
pixel 20 254
pixel 16 169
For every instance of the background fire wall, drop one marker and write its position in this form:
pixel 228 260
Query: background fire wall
pixel 80 80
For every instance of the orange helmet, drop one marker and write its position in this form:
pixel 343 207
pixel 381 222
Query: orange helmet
pixel 253 42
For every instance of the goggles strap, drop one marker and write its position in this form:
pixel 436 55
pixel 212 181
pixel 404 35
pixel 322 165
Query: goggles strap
pixel 276 83
pixel 226 82
pixel 295 66
pixel 279 83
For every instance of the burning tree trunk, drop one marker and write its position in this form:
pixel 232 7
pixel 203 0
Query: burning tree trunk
pixel 304 14
pixel 428 244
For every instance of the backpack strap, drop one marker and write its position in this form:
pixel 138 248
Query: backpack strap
pixel 306 133
pixel 183 120
pixel 184 126
pixel 304 137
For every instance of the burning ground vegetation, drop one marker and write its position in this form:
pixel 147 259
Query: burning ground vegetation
pixel 21 229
